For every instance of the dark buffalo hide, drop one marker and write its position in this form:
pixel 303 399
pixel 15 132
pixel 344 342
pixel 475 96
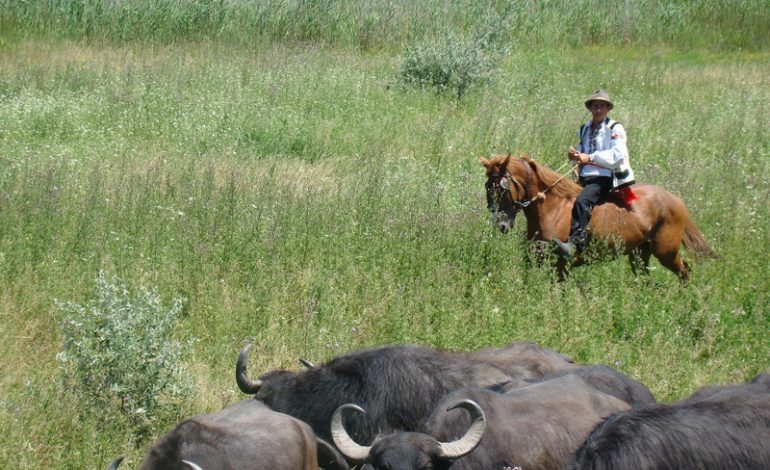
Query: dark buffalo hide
pixel 538 426
pixel 716 428
pixel 246 435
pixel 397 385
pixel 602 378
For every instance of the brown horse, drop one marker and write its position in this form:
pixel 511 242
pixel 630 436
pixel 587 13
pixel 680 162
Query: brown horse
pixel 658 223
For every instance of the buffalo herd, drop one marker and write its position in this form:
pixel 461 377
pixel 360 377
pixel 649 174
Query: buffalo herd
pixel 517 407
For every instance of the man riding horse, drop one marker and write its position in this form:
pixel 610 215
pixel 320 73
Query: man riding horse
pixel 604 165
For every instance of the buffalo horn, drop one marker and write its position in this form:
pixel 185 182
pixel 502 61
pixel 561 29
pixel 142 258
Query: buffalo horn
pixel 192 465
pixel 307 363
pixel 349 448
pixel 462 446
pixel 246 385
pixel 115 464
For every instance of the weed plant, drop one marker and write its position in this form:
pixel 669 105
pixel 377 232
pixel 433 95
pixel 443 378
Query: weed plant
pixel 119 351
pixel 297 201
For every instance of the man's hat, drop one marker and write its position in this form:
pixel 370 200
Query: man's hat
pixel 599 95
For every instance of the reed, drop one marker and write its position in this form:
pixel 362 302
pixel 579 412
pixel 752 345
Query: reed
pixel 394 24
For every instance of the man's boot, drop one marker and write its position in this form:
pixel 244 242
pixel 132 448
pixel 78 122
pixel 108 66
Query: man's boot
pixel 566 249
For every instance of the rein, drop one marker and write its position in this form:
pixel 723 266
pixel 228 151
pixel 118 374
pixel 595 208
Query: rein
pixel 524 203
pixel 541 194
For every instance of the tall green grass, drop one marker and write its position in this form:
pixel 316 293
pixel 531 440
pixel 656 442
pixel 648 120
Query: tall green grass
pixel 389 24
pixel 298 201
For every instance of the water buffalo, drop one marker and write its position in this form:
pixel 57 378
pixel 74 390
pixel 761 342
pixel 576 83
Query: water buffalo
pixel 246 435
pixel 600 377
pixel 538 426
pixel 187 464
pixel 715 428
pixel 398 385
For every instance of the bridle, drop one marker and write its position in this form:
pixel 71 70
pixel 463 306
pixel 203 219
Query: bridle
pixel 505 183
pixel 502 184
pixel 524 202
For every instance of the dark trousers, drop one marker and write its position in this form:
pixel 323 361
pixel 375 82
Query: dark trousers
pixel 595 189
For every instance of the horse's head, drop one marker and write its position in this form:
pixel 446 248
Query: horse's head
pixel 507 190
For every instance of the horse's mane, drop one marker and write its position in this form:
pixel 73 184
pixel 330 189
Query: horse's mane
pixel 565 187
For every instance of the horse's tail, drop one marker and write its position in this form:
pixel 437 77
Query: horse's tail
pixel 694 242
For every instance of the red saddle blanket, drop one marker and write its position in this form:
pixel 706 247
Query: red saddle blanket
pixel 625 195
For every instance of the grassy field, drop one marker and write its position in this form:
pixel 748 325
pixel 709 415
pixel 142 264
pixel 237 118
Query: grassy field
pixel 295 195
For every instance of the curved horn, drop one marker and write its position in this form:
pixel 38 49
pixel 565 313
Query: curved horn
pixel 462 446
pixel 115 464
pixel 192 465
pixel 347 446
pixel 246 385
pixel 307 363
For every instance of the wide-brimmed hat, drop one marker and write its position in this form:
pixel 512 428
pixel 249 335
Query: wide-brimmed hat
pixel 599 95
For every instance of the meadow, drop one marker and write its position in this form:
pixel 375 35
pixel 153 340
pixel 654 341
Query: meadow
pixel 269 169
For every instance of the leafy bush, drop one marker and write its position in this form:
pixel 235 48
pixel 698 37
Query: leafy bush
pixel 119 347
pixel 453 65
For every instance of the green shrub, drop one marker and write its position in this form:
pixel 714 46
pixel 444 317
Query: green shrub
pixel 118 349
pixel 452 65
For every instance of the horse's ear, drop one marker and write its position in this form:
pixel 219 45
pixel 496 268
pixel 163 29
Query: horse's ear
pixel 485 162
pixel 507 160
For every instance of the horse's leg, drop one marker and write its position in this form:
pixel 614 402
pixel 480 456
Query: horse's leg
pixel 675 263
pixel 640 258
pixel 562 269
pixel 528 247
pixel 666 248
pixel 539 251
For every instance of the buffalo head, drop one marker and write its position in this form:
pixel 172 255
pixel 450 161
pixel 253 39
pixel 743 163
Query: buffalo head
pixel 408 450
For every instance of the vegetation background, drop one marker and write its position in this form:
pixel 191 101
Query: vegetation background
pixel 273 166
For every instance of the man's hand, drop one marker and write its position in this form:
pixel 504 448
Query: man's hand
pixel 577 157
